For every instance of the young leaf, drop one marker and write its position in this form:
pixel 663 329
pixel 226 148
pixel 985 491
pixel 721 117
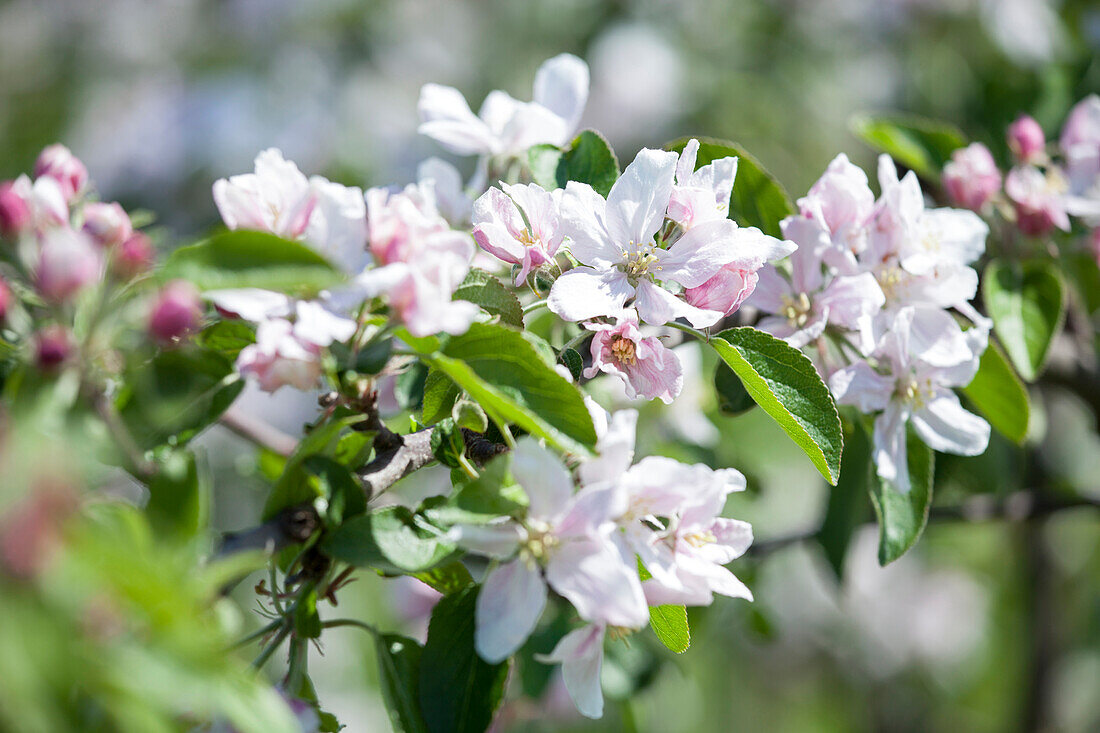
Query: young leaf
pixel 590 160
pixel 503 371
pixel 459 692
pixel 1000 395
pixel 246 259
pixel 902 517
pixel 392 539
pixel 482 289
pixel 758 200
pixel 399 674
pixel 919 144
pixel 783 381
pixel 847 505
pixel 1027 304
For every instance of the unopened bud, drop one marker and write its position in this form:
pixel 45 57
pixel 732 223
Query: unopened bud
pixel 67 262
pixel 58 162
pixel 15 214
pixel 176 312
pixel 134 256
pixel 972 178
pixel 52 347
pixel 5 299
pixel 107 224
pixel 1026 139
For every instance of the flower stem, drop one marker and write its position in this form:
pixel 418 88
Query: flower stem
pixel 534 306
pixel 701 335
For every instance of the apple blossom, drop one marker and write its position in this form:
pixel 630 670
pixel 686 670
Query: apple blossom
pixel 908 380
pixel 107 224
pixel 614 239
pixel 58 162
pixel 45 201
pixel 649 369
pixel 1027 140
pixel 279 358
pixel 505 125
pixel 519 224
pixel 445 182
pixel 176 312
pixel 701 195
pixel 1082 126
pixel 1040 199
pixel 314 322
pixel 580 654
pixel 972 178
pixel 841 203
pixel 15 214
pixel 68 262
pixel 725 291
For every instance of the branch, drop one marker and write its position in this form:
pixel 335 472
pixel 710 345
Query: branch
pixel 259 432
pixel 289 527
pixel 396 456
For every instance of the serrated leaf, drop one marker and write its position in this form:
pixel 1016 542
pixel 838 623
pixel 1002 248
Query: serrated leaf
pixel 459 692
pixel 920 144
pixel 440 394
pixel 783 381
pixel 999 395
pixel 573 361
pixel 847 505
pixel 247 259
pixel 759 199
pixel 399 674
pixel 902 517
pixel 1027 304
pixel 543 162
pixel 589 159
pixel 392 539
pixel 505 373
pixel 484 290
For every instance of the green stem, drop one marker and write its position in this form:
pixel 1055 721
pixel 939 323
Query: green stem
pixel 258 634
pixel 534 306
pixel 349 622
pixel 270 649
pixel 577 340
pixel 702 336
pixel 467 467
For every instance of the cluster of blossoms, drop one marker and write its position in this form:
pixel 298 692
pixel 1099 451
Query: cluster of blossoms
pixel 587 544
pixel 871 287
pixel 66 244
pixel 1045 187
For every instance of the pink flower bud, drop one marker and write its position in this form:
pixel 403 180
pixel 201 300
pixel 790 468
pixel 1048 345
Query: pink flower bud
pixel 134 256
pixel 58 162
pixel 5 299
pixel 107 224
pixel 1094 244
pixel 176 312
pixel 67 263
pixel 52 347
pixel 1039 199
pixel 972 177
pixel 1026 139
pixel 15 214
pixel 725 291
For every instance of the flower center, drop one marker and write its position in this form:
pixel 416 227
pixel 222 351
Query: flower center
pixel 640 260
pixel 797 310
pixel 527 239
pixel 913 392
pixel 623 350
pixel 540 541
pixel 700 539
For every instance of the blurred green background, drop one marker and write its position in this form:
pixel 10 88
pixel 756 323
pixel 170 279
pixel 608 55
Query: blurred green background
pixel 971 632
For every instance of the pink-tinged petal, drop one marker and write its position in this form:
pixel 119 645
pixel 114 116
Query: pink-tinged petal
pixel 732 538
pixel 445 117
pixel 890 452
pixel 508 608
pixel 725 292
pixel 615 445
pixel 561 86
pixel 543 477
pixel 541 211
pixel 717 177
pixel 771 289
pixel 658 306
pixel 701 252
pixel 337 225
pixel 592 575
pixel 251 304
pixel 584 293
pixel 592 511
pixel 583 217
pixel 446 185
pixel 637 202
pixel 851 297
pixel 685 166
pixel 1082 126
pixel 237 203
pixel 580 653
pixel 944 425
pixel 860 385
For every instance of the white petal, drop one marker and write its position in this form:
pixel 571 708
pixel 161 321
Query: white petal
pixel 860 385
pixel 561 85
pixel 543 477
pixel 637 202
pixel 251 304
pixel 583 214
pixel 319 326
pixel 945 426
pixel 615 447
pixel 580 653
pixel 446 117
pixel 584 292
pixel 592 575
pixel 891 456
pixel 658 306
pixel 499 539
pixel 508 608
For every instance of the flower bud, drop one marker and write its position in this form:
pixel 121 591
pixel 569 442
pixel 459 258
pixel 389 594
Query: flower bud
pixel 1026 139
pixel 725 291
pixel 5 299
pixel 67 262
pixel 134 256
pixel 52 346
pixel 107 224
pixel 59 163
pixel 176 312
pixel 972 177
pixel 15 214
pixel 1094 244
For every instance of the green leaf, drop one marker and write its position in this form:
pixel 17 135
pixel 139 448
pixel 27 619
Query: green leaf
pixel 307 623
pixel 484 290
pixel 447 578
pixel 227 337
pixel 733 398
pixel 902 517
pixel 758 200
pixel 589 159
pixel 339 486
pixel 999 395
pixel 669 623
pixel 176 394
pixel 459 692
pixel 392 539
pixel 399 674
pixel 783 381
pixel 488 497
pixel 543 161
pixel 1027 304
pixel 440 395
pixel 920 144
pixel 847 506
pixel 573 361
pixel 503 371
pixel 469 415
pixel 246 259
pixel 179 495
